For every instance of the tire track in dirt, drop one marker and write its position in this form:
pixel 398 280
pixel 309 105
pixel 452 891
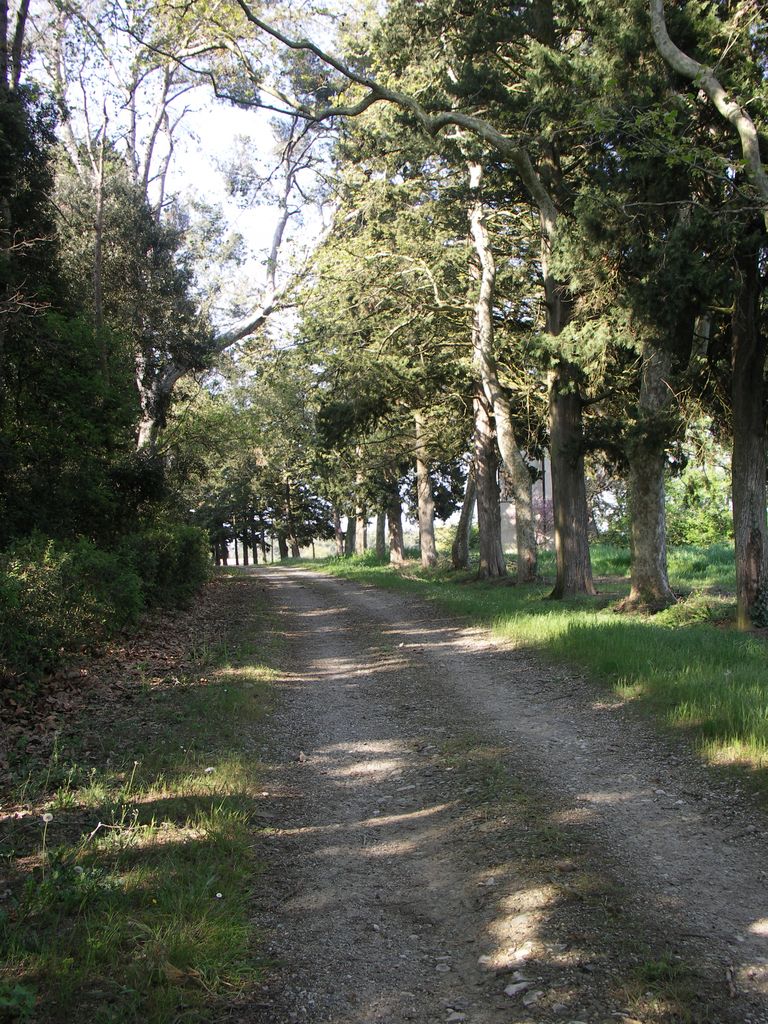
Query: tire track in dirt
pixel 395 890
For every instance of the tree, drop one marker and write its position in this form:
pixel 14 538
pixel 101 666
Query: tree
pixel 747 335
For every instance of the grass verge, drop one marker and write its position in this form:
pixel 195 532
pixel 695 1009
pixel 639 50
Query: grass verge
pixel 126 861
pixel 694 675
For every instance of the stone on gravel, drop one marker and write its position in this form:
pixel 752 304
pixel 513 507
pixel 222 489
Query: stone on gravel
pixel 533 997
pixel 517 988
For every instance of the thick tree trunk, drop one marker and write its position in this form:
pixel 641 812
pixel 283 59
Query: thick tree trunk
pixel 650 590
pixel 484 361
pixel 525 521
pixel 282 546
pixel 395 523
pixel 349 538
pixel 486 474
pixel 566 433
pixel 460 547
pixel 381 536
pixel 569 493
pixel 361 532
pixel 338 533
pixel 425 498
pixel 748 462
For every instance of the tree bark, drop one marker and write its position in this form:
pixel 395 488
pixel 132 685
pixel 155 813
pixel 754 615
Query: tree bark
pixel 381 536
pixel 338 533
pixel 566 439
pixel 361 515
pixel 282 546
pixel 361 531
pixel 290 520
pixel 395 523
pixel 650 590
pixel 569 493
pixel 425 498
pixel 460 546
pixel 349 539
pixel 484 360
pixel 748 463
pixel 486 474
pixel 245 539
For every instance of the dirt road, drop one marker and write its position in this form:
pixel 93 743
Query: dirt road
pixel 454 831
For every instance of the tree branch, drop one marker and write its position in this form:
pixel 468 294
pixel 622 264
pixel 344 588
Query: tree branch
pixel 730 109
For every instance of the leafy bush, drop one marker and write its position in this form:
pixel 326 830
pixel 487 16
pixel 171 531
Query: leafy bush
pixel 172 561
pixel 698 507
pixel 55 599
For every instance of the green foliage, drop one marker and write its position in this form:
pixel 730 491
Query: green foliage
pixel 760 608
pixel 55 598
pixel 172 561
pixel 16 1001
pixel 64 886
pixel 698 506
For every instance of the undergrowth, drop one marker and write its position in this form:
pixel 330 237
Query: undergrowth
pixel 129 864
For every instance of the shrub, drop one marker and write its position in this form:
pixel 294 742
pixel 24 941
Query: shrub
pixel 172 561
pixel 56 599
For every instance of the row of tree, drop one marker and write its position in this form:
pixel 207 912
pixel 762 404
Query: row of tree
pixel 543 206
pixel 548 234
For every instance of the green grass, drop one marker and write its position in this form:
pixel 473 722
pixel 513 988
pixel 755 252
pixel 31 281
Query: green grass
pixel 132 903
pixel 693 675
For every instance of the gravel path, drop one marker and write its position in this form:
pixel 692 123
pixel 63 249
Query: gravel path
pixel 454 831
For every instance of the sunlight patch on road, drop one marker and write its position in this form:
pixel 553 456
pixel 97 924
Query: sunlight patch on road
pixel 410 816
pixel 615 796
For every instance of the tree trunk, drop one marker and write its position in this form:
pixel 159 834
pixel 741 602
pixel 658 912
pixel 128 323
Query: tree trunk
pixel 361 515
pixel 748 462
pixel 338 533
pixel 486 474
pixel 282 546
pixel 290 520
pixel 484 360
pixel 525 521
pixel 569 493
pixel 245 539
pixel 361 531
pixel 381 536
pixel 98 262
pixel 650 589
pixel 349 539
pixel 395 522
pixel 426 501
pixel 460 547
pixel 237 552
